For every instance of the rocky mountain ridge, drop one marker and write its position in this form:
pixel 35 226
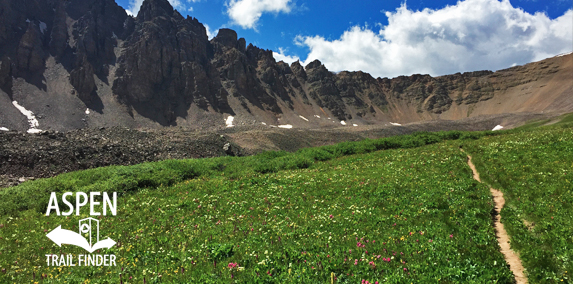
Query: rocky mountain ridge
pixel 86 63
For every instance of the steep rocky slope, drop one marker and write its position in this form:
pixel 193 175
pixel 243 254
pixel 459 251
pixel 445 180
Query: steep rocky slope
pixel 86 63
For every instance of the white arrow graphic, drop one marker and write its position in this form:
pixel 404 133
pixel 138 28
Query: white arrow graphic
pixel 62 236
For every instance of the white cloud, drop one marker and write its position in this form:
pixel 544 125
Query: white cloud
pixel 286 58
pixel 190 9
pixel 246 13
pixel 471 35
pixel 210 33
pixel 134 6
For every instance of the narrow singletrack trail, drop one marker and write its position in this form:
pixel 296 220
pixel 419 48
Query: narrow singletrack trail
pixel 510 256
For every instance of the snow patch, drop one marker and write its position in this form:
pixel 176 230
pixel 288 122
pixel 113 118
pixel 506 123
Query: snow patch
pixel 31 118
pixel 395 124
pixel 317 116
pixel 263 123
pixel 27 20
pixel 287 126
pixel 354 124
pixel 43 27
pixel 229 121
pixel 303 117
pixel 87 111
pixel 499 127
pixel 343 122
pixel 563 54
pixel 4 129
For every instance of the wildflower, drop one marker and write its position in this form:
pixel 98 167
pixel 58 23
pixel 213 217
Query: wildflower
pixel 405 269
pixel 430 241
pixel 451 236
pixel 232 265
pixel 331 216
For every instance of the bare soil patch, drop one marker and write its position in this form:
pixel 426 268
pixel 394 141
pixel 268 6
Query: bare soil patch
pixel 502 237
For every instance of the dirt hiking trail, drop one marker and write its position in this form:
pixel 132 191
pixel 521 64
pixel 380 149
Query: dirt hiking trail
pixel 510 256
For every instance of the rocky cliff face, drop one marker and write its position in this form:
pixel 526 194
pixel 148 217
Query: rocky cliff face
pixel 160 69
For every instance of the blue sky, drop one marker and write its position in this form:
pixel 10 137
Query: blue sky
pixel 393 37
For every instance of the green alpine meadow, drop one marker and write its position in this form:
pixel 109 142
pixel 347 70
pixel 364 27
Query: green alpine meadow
pixel 402 209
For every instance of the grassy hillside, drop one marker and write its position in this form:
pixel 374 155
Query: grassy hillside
pixel 535 172
pixel 394 210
